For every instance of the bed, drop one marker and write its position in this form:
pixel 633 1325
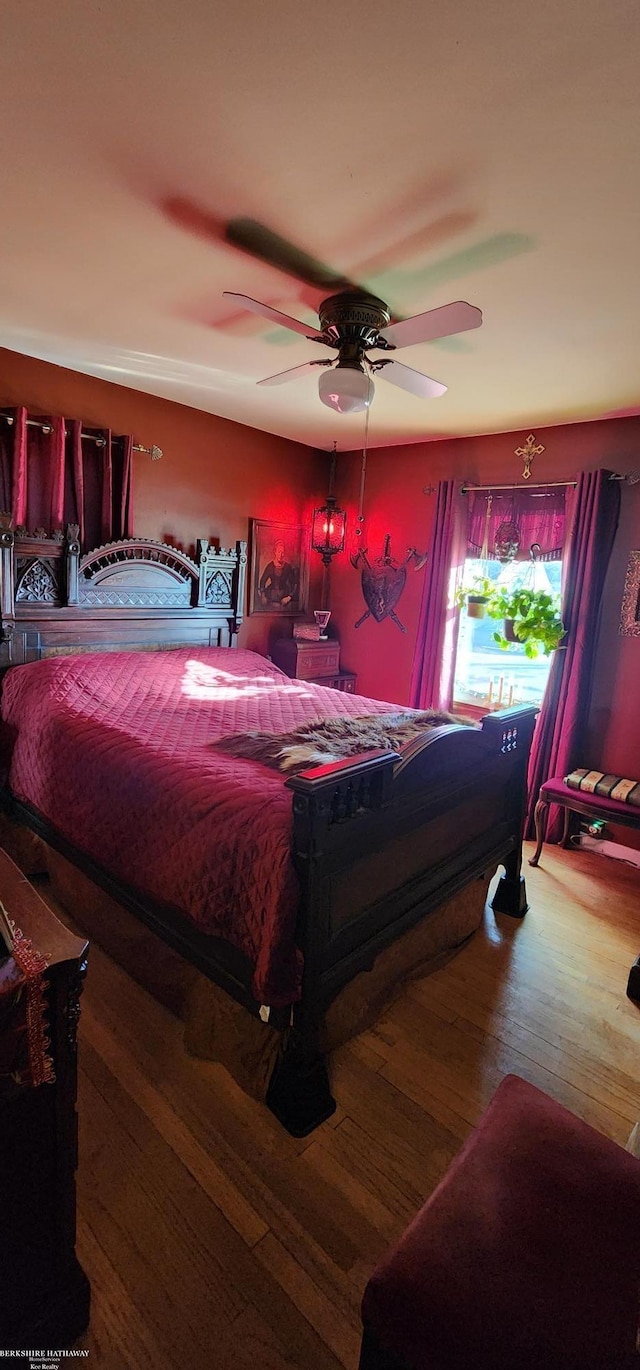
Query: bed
pixel 278 889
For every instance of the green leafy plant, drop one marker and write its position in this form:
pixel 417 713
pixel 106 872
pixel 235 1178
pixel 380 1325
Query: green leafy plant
pixel 480 588
pixel 535 616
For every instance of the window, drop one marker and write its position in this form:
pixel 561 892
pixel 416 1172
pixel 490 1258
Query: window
pixel 486 676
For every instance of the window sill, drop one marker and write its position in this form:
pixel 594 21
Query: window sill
pixel 474 709
pixel 470 710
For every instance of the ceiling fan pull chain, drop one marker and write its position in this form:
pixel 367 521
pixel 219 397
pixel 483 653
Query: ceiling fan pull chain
pixel 363 473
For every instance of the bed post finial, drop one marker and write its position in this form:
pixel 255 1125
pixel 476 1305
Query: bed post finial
pixel 241 548
pixel 6 572
pixel 202 546
pixel 72 558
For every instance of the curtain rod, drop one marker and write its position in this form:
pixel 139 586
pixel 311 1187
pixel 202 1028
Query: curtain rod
pixel 154 452
pixel 631 476
pixel 544 485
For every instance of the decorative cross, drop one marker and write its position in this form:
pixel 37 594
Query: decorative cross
pixel 528 452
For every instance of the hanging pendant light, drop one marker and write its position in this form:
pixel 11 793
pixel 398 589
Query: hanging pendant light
pixel 329 528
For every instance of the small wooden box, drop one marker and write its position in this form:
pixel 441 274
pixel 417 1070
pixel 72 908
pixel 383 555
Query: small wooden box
pixel 307 660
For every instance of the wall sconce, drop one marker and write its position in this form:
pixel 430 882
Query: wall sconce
pixel 328 531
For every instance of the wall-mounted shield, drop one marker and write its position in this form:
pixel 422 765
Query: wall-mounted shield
pixel 383 581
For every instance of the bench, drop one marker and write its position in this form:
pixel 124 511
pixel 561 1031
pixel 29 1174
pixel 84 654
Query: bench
pixel 525 1257
pixel 555 791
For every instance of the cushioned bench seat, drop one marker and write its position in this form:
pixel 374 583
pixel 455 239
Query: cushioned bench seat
pixel 555 791
pixel 526 1256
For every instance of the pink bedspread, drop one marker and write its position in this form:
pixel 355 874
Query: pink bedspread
pixel 114 750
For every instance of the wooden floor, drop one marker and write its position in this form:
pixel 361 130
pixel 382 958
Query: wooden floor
pixel 213 1240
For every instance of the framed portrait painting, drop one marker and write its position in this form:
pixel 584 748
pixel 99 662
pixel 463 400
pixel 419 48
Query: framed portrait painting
pixel 279 568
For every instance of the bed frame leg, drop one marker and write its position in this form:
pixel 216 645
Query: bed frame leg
pixel 511 894
pixel 299 1093
pixel 633 983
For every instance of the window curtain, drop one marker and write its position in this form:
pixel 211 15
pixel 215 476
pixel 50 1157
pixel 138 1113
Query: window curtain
pixel 517 518
pixel 562 723
pixel 48 480
pixel 434 656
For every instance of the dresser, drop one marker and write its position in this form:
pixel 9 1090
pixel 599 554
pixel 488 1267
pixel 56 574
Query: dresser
pixel 316 662
pixel 44 1293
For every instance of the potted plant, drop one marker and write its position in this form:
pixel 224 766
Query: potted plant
pixel 531 617
pixel 476 596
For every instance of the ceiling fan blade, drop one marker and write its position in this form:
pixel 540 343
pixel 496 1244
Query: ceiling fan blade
pixel 282 377
pixel 261 242
pixel 435 323
pixel 275 315
pixel 408 379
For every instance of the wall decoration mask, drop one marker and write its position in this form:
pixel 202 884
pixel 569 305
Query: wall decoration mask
pixel 383 581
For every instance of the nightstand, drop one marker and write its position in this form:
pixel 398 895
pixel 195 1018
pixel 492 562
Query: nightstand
pixel 303 660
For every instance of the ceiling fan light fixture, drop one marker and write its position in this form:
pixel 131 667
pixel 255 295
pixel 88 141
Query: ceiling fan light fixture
pixel 348 390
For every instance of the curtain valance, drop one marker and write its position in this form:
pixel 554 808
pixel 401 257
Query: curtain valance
pixel 511 520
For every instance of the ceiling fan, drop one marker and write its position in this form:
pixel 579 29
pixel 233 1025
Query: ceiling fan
pixel 352 320
pixel 355 323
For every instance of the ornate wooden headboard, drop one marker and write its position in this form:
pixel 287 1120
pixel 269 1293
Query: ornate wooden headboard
pixel 132 594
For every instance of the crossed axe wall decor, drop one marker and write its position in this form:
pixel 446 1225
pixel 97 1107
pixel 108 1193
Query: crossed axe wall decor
pixel 383 581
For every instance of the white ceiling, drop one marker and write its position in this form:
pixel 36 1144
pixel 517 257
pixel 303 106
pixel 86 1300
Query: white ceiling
pixel 489 152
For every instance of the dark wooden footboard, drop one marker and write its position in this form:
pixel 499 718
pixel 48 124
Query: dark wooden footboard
pixel 380 844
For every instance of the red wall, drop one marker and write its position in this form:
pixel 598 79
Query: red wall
pixel 214 476
pixel 395 504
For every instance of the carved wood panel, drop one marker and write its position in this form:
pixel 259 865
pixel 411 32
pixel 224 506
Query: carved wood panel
pixel 38 582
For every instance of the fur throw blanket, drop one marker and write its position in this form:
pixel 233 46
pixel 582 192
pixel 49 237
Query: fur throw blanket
pixel 333 739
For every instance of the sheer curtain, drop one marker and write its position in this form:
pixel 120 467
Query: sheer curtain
pixel 48 480
pixel 563 718
pixel 434 656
